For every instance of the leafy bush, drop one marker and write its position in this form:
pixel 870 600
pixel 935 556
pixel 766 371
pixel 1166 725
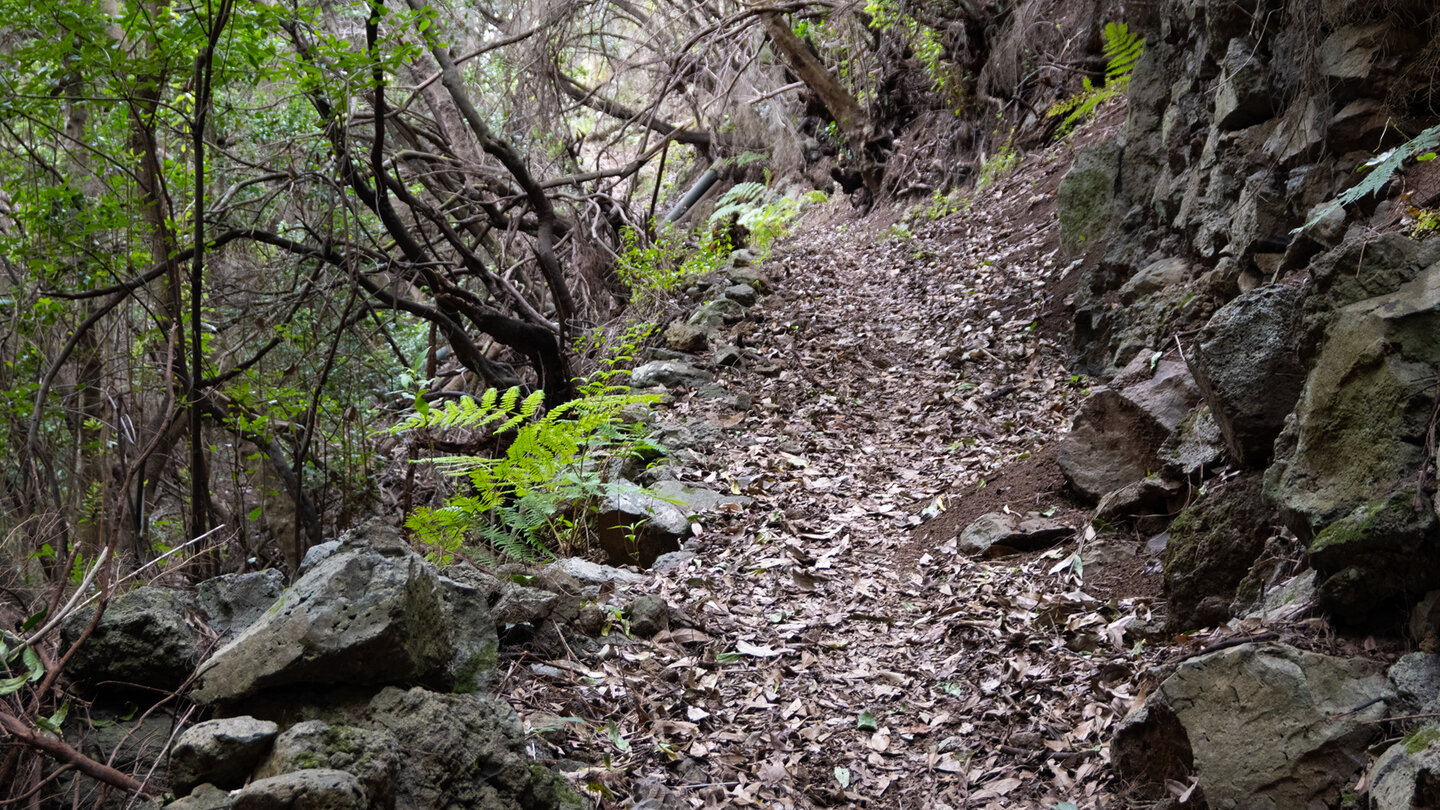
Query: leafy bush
pixel 1122 50
pixel 665 262
pixel 766 214
pixel 527 503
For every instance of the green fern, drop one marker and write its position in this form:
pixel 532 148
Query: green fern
pixel 1381 168
pixel 518 501
pixel 1122 49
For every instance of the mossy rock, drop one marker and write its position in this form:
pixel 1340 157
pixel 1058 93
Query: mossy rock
pixel 1376 556
pixel 1085 197
pixel 1213 544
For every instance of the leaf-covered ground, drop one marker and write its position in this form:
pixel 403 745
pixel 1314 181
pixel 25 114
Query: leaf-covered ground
pixel 833 654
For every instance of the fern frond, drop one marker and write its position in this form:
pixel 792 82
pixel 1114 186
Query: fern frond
pixel 1381 169
pixel 1122 49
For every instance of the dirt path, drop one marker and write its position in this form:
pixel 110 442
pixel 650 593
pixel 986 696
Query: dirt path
pixel 843 658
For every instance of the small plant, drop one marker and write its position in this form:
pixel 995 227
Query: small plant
pixel 521 502
pixel 1122 50
pixel 1381 168
pixel 999 164
pixel 1427 221
pixel 666 261
pixel 764 213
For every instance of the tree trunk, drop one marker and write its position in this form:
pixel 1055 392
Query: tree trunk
pixel 859 130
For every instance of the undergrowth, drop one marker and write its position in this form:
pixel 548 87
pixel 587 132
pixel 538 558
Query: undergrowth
pixel 1122 49
pixel 534 500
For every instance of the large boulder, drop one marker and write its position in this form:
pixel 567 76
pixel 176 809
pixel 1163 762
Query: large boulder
pixel 1345 470
pixel 1113 443
pixel 372 757
pixel 1118 434
pixel 463 751
pixel 1248 370
pixel 219 752
pixel 142 638
pixel 1407 775
pixel 371 612
pixel 1213 543
pixel 1085 196
pixel 232 602
pixel 1258 725
pixel 635 527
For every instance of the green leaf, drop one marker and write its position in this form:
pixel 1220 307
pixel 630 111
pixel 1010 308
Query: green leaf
pixel 842 775
pixel 866 722
pixel 10 686
pixel 728 657
pixel 30 624
pixel 34 664
pixel 1425 158
pixel 53 722
pixel 621 744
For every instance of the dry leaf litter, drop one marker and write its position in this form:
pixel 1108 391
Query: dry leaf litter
pixel 825 654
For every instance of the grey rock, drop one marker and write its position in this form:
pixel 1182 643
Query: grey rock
pixel 372 757
pixel 726 355
pixel 521 605
pixel 1242 96
pixel 1085 196
pixel 742 294
pixel 1407 774
pixel 1350 53
pixel 591 573
pixel 1195 447
pixel 1293 599
pixel 687 435
pixel 1259 725
pixel 635 527
pixel 1113 443
pixel 1344 471
pixel 320 789
pixel 1247 367
pixel 142 638
pixel 219 752
pixel 232 602
pixel 317 554
pixel 695 500
pixel 1153 278
pixel 674 561
pixel 1213 544
pixel 1163 389
pixel 1011 531
pixel 113 735
pixel 648 615
pixel 684 337
pixel 445 737
pixel 716 313
pixel 1152 497
pixel 373 612
pixel 204 797
pixel 1425 619
pixel 669 374
pixel 1415 680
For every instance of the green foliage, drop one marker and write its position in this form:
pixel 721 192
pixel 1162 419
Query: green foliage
pixel 1381 168
pixel 996 166
pixel 766 213
pixel 668 260
pixel 924 41
pixel 1122 48
pixel 528 501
